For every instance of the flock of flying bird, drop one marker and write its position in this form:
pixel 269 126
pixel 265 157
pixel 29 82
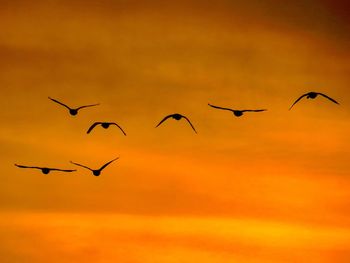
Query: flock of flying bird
pixel 176 116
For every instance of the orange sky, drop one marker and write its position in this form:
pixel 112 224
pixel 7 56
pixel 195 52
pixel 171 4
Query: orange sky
pixel 266 187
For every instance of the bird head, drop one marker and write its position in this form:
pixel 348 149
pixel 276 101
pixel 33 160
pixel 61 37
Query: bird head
pixel 237 113
pixel 105 125
pixel 177 116
pixel 96 172
pixel 73 112
pixel 45 170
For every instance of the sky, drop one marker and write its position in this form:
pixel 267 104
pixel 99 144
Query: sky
pixel 266 187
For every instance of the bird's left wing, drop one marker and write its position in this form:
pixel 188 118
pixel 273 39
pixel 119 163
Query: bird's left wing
pixel 220 108
pixel 24 166
pixel 302 96
pixel 78 164
pixel 61 103
pixel 93 126
pixel 165 118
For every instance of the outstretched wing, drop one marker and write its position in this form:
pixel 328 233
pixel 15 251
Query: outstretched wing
pixel 81 165
pixel 324 95
pixel 85 106
pixel 189 123
pixel 93 126
pixel 302 96
pixel 60 103
pixel 119 127
pixel 254 110
pixel 24 166
pixel 165 118
pixel 105 165
pixel 62 170
pixel 220 108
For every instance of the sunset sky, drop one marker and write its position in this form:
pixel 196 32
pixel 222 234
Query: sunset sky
pixel 269 187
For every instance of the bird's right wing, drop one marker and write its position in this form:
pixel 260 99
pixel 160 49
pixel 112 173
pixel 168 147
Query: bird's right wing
pixel 81 165
pixel 324 95
pixel 62 170
pixel 104 166
pixel 93 126
pixel 119 128
pixel 255 110
pixel 85 106
pixel 60 103
pixel 220 108
pixel 165 118
pixel 302 96
pixel 190 123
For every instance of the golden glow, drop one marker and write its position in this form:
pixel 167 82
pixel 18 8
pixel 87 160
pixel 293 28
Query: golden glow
pixel 266 187
pixel 101 238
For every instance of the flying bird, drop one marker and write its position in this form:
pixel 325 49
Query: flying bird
pixel 104 125
pixel 44 170
pixel 72 111
pixel 96 172
pixel 313 95
pixel 237 113
pixel 177 117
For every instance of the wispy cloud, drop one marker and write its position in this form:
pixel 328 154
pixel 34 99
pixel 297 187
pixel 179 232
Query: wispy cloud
pixel 91 238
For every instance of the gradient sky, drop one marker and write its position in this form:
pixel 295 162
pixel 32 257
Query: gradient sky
pixel 267 187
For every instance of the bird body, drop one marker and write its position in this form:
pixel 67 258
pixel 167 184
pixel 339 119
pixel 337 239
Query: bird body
pixel 44 170
pixel 237 113
pixel 313 95
pixel 73 111
pixel 95 172
pixel 105 125
pixel 177 117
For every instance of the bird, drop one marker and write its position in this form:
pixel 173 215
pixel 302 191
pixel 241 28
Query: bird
pixel 104 125
pixel 96 172
pixel 313 95
pixel 44 170
pixel 237 113
pixel 72 111
pixel 177 117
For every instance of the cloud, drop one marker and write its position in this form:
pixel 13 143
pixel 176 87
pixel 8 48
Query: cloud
pixel 90 237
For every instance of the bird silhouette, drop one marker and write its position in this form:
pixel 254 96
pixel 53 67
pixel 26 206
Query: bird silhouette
pixel 104 125
pixel 313 95
pixel 44 170
pixel 237 113
pixel 72 111
pixel 96 172
pixel 177 117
